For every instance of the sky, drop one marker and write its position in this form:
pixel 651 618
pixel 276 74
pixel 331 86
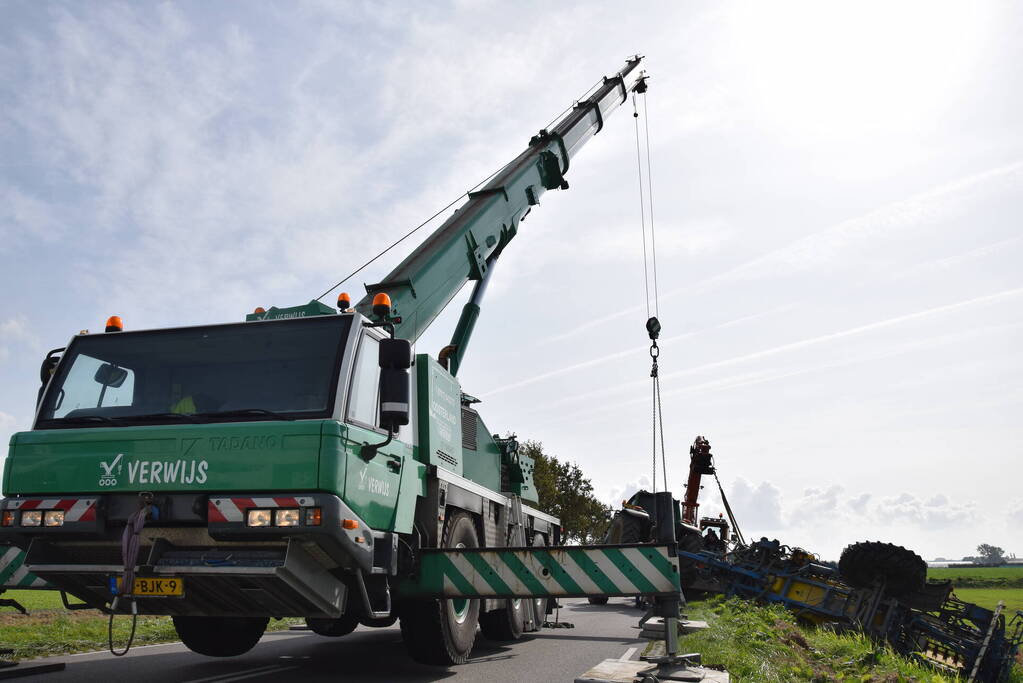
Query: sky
pixel 836 190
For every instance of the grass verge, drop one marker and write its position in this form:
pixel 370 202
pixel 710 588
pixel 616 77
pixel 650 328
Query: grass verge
pixel 989 597
pixel 764 643
pixel 45 633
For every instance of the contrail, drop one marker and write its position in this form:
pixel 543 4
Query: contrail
pixel 761 377
pixel 803 343
pixel 630 351
pixel 898 214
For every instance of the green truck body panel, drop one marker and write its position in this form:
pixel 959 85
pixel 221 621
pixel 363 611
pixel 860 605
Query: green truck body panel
pixel 305 311
pixel 225 457
pixel 251 456
pixel 372 487
pixel 439 411
pixel 482 462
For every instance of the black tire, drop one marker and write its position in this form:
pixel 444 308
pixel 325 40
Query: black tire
pixel 333 628
pixel 625 528
pixel 382 622
pixel 540 605
pixel 602 600
pixel 902 570
pixel 443 631
pixel 504 624
pixel 692 543
pixel 220 636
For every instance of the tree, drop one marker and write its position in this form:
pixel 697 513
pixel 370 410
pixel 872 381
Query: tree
pixel 991 554
pixel 568 495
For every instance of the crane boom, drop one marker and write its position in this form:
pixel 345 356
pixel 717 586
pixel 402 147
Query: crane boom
pixel 467 244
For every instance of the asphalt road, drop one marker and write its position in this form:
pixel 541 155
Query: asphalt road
pixel 378 655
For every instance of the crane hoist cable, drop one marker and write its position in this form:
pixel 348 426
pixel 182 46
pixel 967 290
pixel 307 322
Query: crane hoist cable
pixel 728 509
pixel 653 325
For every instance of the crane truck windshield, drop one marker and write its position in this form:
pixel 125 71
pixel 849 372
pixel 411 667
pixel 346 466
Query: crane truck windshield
pixel 286 369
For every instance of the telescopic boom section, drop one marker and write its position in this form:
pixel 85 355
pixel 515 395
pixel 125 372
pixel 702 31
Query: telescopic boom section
pixel 465 247
pixel 701 462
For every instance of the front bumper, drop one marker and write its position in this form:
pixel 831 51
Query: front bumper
pixel 228 568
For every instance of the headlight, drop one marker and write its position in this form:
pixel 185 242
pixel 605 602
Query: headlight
pixel 32 518
pixel 53 518
pixel 286 517
pixel 258 517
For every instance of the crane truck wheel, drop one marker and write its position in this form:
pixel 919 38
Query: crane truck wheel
pixel 503 624
pixel 540 604
pixel 902 570
pixel 443 631
pixel 333 628
pixel 220 636
pixel 597 600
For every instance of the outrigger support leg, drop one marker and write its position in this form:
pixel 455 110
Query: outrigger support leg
pixel 669 607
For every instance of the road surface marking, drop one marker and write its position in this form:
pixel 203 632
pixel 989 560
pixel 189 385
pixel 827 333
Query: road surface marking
pixel 628 655
pixel 247 673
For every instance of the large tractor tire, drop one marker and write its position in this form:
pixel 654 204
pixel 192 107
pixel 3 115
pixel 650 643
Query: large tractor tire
pixel 443 631
pixel 625 528
pixel 691 543
pixel 333 628
pixel 220 636
pixel 902 570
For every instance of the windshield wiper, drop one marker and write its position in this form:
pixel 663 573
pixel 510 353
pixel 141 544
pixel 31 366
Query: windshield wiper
pixel 82 418
pixel 242 412
pixel 184 417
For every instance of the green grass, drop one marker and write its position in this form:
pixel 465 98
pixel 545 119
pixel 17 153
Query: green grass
pixel 764 643
pixel 33 600
pixel 57 632
pixel 980 577
pixel 989 597
pixel 1004 572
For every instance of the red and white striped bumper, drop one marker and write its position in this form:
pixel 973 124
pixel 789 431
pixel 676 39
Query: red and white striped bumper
pixel 75 509
pixel 233 509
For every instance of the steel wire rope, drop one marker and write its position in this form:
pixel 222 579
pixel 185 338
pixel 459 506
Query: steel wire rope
pixel 414 230
pixel 650 260
pixel 642 209
pixel 650 201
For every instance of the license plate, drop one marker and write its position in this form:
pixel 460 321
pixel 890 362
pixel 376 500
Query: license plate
pixel 153 587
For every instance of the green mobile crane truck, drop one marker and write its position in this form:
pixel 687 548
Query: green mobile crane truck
pixel 301 463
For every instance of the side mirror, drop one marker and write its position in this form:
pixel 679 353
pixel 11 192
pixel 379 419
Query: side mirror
pixel 395 360
pixel 110 375
pixel 47 369
pixel 395 353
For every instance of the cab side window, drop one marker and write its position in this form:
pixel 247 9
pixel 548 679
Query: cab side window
pixel 362 397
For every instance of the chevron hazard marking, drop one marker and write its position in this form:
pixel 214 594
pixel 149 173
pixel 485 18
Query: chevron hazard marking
pixel 543 572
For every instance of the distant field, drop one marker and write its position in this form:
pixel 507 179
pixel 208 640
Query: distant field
pixel 977 573
pixel 989 597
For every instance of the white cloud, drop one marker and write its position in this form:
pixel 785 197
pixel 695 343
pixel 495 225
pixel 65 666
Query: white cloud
pixel 935 513
pixel 14 331
pixel 1014 515
pixel 626 491
pixel 757 507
